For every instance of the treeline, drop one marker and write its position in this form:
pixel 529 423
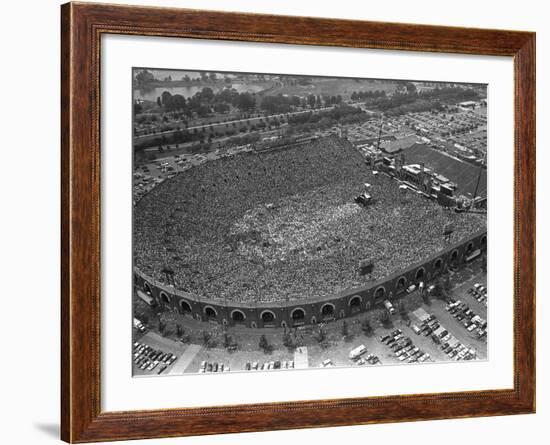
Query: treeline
pixel 413 101
pixel 308 122
pixel 206 102
pixel 364 95
pixel 285 104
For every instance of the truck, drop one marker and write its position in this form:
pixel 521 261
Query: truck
pixel 357 352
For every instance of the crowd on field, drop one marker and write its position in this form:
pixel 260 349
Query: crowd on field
pixel 283 225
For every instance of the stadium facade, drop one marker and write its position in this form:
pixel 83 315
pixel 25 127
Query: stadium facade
pixel 309 311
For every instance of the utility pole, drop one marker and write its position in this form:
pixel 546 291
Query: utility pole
pixel 478 179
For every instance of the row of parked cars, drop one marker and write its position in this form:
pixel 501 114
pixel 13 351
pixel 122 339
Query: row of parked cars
pixel 403 347
pixel 276 364
pixel 468 318
pixel 213 367
pixel 149 359
pixel 479 292
pixel 447 342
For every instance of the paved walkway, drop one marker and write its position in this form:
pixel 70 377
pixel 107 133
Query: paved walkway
pixel 301 358
pixel 185 360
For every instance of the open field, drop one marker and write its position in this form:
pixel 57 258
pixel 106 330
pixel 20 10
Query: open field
pixel 334 87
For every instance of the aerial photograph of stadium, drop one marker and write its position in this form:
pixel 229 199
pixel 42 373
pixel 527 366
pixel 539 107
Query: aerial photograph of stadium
pixel 285 222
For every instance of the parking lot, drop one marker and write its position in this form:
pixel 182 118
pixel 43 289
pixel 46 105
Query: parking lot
pixel 423 347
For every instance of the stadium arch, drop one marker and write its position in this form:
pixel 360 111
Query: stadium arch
pixel 437 267
pixel 401 284
pixel 267 316
pixel 453 262
pixel 298 315
pixel 210 313
pixel 420 273
pixel 354 304
pixel 147 288
pixel 238 316
pixel 327 311
pixel 483 242
pixel 379 294
pixel 185 307
pixel 165 298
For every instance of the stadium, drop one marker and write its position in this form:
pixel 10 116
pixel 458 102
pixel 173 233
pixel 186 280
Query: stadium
pixel 276 238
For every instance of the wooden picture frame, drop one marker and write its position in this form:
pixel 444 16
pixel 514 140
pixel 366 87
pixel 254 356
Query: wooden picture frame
pixel 82 26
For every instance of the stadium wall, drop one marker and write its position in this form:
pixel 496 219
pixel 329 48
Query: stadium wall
pixel 296 313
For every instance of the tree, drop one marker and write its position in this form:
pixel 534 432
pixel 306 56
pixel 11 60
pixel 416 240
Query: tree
pixel 165 97
pixel 162 326
pixel 226 340
pixel 207 94
pixel 245 101
pixel 144 77
pixel 403 309
pixel 345 330
pixel 321 335
pixel 206 339
pixel 264 344
pixel 179 331
pixel 288 341
pixel 365 325
pixel 447 283
pixel 385 317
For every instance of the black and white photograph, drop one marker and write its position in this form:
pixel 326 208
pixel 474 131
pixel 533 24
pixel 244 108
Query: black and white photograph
pixel 285 222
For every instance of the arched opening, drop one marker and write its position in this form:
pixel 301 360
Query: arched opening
pixel 164 298
pixel 484 242
pixel 437 267
pixel 400 285
pixel 185 307
pixel 147 289
pixel 210 313
pixel 267 317
pixel 355 304
pixel 379 294
pixel 327 311
pixel 237 316
pixel 454 258
pixel 298 315
pixel 469 248
pixel 420 274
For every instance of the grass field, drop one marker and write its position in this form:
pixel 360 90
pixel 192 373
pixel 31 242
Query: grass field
pixel 333 87
pixel 462 173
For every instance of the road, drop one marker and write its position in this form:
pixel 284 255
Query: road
pixel 212 125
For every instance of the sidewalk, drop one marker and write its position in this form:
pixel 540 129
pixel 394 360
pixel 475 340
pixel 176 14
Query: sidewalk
pixel 185 360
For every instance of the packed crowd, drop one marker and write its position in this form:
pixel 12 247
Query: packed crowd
pixel 282 225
